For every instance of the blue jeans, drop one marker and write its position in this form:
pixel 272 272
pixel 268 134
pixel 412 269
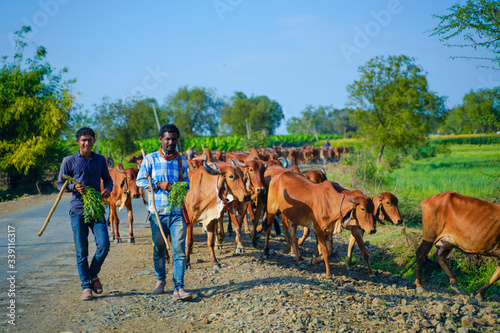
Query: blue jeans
pixel 174 225
pixel 80 236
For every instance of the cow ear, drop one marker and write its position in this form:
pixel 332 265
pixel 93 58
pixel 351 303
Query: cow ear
pixel 247 181
pixel 124 185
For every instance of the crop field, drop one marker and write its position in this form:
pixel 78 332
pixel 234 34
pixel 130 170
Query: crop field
pixel 467 169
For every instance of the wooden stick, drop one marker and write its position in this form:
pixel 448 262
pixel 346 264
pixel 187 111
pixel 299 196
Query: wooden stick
pixel 53 208
pixel 154 205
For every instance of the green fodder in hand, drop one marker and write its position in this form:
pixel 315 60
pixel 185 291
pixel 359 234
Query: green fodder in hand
pixel 94 205
pixel 176 195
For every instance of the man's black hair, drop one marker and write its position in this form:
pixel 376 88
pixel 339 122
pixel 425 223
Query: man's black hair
pixel 85 131
pixel 170 128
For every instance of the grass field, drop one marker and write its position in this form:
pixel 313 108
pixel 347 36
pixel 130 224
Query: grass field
pixel 466 169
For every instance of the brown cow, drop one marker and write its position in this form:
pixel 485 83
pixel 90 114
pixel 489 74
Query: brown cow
pixel 317 206
pixel 386 209
pixel 211 189
pixel 451 220
pixel 254 182
pixel 124 189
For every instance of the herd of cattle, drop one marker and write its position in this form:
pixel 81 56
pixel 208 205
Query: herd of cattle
pixel 261 184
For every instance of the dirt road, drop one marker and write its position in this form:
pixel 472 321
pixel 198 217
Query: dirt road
pixel 248 294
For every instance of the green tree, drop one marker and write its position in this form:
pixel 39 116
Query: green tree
pixel 255 114
pixel 194 111
pixel 479 113
pixel 35 104
pixel 120 123
pixel 392 102
pixel 320 120
pixel 477 22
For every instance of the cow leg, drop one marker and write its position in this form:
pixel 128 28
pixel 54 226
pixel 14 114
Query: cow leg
pixel 131 238
pixel 219 232
pixel 252 217
pixel 268 234
pixel 350 247
pixel 292 231
pixel 189 244
pixel 255 223
pixel 242 212
pixel 440 256
pixel 357 233
pixel 304 236
pixel 421 256
pixel 287 230
pixel 493 279
pixel 229 229
pixel 210 243
pixel 115 222
pixel 322 243
pixel 277 228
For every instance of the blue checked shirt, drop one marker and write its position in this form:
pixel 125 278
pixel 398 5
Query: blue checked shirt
pixel 161 170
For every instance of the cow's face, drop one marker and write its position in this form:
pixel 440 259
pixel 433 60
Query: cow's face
pixel 128 184
pixel 254 176
pixel 386 208
pixel 363 213
pixel 232 177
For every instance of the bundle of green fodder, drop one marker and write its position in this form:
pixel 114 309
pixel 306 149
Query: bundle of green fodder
pixel 94 204
pixel 176 195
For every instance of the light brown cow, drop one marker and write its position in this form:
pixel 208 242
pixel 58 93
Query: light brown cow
pixel 451 220
pixel 317 206
pixel 386 209
pixel 211 189
pixel 124 189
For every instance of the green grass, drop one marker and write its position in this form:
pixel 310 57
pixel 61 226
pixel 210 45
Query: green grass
pixel 466 169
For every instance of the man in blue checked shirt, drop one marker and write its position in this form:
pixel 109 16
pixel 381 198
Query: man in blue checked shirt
pixel 166 167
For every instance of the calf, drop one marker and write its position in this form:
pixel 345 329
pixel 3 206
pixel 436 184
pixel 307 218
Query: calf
pixel 124 189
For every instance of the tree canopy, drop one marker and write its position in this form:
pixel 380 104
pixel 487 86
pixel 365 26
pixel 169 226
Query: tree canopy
pixel 194 111
pixel 478 23
pixel 124 121
pixel 392 103
pixel 320 120
pixel 35 104
pixel 479 113
pixel 259 113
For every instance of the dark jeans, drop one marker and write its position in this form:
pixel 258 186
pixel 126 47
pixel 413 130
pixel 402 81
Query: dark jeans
pixel 80 236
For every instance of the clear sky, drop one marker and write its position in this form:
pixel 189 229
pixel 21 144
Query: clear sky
pixel 298 53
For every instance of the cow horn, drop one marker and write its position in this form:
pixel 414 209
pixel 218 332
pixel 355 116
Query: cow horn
pixel 240 163
pixel 206 157
pixel 254 158
pixel 215 171
pixel 119 167
pixel 265 165
pixel 283 162
pixel 233 163
pixel 323 170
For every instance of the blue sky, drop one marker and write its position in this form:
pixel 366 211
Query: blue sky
pixel 298 53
